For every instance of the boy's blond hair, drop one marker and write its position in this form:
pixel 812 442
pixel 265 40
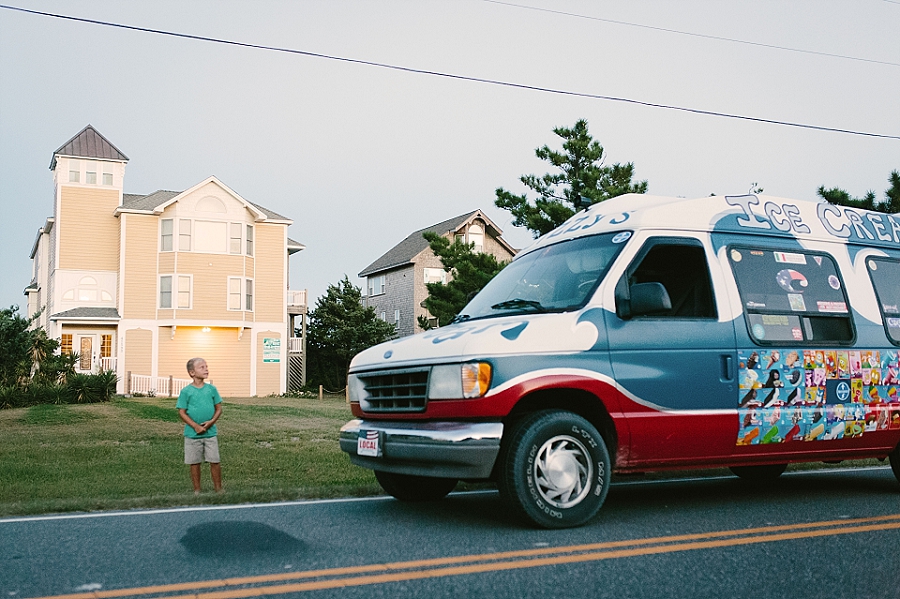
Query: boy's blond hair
pixel 191 362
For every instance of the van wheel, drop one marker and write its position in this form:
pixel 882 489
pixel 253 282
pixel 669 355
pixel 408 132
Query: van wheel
pixel 895 462
pixel 555 469
pixel 759 473
pixel 408 487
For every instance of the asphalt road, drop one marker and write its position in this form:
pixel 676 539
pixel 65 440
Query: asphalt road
pixel 821 534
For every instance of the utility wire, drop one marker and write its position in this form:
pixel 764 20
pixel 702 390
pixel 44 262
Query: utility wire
pixel 451 75
pixel 702 35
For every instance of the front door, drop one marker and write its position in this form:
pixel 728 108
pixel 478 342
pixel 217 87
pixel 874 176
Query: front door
pixel 677 367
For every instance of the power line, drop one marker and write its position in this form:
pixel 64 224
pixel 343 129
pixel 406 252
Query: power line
pixel 450 75
pixel 701 35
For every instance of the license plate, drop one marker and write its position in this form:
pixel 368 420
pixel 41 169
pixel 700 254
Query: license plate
pixel 368 443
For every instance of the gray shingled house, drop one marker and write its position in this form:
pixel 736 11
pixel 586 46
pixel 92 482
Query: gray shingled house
pixel 395 282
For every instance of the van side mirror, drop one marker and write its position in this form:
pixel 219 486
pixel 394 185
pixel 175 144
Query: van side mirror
pixel 645 299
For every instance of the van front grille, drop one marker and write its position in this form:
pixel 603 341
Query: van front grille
pixel 395 391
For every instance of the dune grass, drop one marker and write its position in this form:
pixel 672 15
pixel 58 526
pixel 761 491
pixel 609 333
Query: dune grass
pixel 129 454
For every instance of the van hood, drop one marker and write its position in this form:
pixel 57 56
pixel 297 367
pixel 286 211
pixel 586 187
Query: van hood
pixel 532 333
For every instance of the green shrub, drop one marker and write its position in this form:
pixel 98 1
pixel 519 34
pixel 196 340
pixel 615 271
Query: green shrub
pixel 78 388
pixel 105 384
pixel 10 397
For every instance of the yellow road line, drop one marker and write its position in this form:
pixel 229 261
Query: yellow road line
pixel 493 562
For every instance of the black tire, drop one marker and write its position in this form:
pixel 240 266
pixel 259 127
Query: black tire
pixel 759 473
pixel 408 487
pixel 895 462
pixel 554 469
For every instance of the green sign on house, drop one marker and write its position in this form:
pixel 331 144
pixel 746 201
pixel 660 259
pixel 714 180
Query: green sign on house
pixel 271 349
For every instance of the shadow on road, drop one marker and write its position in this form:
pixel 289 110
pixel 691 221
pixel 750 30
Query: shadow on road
pixel 231 539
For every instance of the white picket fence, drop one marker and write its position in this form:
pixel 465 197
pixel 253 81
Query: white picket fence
pixel 156 385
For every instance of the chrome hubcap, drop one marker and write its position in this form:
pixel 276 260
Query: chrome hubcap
pixel 563 471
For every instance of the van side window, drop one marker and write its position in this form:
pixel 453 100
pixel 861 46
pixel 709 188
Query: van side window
pixel 885 275
pixel 680 266
pixel 791 296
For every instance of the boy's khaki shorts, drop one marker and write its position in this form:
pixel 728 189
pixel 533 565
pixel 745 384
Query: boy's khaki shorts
pixel 196 450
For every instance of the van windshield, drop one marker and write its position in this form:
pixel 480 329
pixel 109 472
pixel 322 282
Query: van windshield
pixel 555 278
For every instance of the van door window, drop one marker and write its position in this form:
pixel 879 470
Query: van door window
pixel 791 296
pixel 680 267
pixel 885 274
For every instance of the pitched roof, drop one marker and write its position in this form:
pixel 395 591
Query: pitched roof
pixel 134 201
pixel 409 248
pixel 294 246
pixel 88 143
pixel 88 314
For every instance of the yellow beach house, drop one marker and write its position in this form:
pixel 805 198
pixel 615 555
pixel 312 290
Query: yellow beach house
pixel 138 284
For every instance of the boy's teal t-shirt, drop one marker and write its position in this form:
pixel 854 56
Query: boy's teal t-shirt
pixel 200 403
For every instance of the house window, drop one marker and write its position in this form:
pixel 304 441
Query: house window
pixel 476 237
pixel 184 291
pixel 234 245
pixel 210 236
pixel 184 235
pixel 65 343
pixel 376 285
pixel 87 289
pixel 106 346
pixel 90 176
pixel 74 171
pixel 249 240
pixel 107 179
pixel 165 235
pixel 384 316
pixel 396 315
pixel 248 295
pixel 234 293
pixel 165 292
pixel 435 275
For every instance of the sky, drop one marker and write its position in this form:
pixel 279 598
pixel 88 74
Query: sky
pixel 360 156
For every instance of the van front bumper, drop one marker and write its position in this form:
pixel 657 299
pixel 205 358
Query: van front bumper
pixel 466 450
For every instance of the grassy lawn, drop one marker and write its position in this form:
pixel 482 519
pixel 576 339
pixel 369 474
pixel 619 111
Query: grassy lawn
pixel 129 453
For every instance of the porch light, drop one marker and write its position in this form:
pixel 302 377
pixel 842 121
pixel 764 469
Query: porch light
pixel 206 329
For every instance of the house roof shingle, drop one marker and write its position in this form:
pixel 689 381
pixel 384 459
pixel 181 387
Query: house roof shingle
pixel 88 143
pixel 409 248
pixel 88 313
pixel 148 202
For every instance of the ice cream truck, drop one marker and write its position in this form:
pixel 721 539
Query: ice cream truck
pixel 647 333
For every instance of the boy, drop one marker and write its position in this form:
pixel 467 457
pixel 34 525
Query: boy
pixel 199 406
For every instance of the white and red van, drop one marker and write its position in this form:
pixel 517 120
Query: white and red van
pixel 647 333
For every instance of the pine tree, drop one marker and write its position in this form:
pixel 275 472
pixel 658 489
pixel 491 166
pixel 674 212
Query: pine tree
pixel 339 328
pixel 470 271
pixel 890 204
pixel 581 174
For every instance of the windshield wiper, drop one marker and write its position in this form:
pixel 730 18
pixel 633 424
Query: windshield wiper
pixel 460 318
pixel 518 303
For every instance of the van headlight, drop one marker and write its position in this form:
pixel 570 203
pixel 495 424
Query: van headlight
pixel 452 381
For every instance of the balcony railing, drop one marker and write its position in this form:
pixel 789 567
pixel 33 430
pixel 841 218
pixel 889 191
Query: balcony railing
pixel 295 345
pixel 296 297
